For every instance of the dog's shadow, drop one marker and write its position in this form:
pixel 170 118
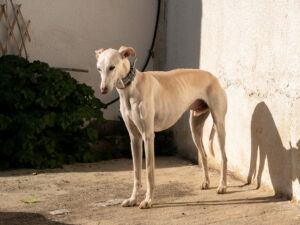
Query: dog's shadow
pixel 283 164
pixel 238 201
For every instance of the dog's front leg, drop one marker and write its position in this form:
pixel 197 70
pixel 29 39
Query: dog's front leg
pixel 136 150
pixel 150 164
pixel 137 154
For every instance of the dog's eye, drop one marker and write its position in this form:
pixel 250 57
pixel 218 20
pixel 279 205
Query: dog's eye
pixel 99 69
pixel 111 68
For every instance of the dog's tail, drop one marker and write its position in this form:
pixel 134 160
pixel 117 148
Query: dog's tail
pixel 211 140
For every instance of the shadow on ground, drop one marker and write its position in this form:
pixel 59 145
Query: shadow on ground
pixel 102 166
pixel 24 218
pixel 246 201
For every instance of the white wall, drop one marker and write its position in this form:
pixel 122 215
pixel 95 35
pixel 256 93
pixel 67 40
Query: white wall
pixel 253 48
pixel 65 33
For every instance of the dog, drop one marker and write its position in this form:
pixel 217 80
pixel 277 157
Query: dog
pixel 153 101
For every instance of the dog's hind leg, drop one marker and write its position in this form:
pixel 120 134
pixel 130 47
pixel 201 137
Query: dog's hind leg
pixel 218 114
pixel 211 140
pixel 196 124
pixel 221 136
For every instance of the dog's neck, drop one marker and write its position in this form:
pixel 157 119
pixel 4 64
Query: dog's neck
pixel 129 92
pixel 124 82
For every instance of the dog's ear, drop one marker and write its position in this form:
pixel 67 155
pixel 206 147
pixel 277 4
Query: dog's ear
pixel 127 51
pixel 98 52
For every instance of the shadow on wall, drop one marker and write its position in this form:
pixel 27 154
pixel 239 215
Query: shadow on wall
pixel 283 164
pixel 183 33
pixel 182 49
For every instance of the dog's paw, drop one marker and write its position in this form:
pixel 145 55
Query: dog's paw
pixel 128 202
pixel 146 204
pixel 221 189
pixel 205 185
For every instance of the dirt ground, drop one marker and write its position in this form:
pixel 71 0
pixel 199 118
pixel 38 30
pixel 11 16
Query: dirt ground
pixel 178 198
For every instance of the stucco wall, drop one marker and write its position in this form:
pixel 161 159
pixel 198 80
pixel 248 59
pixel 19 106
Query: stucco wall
pixel 253 48
pixel 65 33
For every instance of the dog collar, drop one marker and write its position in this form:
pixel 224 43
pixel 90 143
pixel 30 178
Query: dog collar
pixel 126 81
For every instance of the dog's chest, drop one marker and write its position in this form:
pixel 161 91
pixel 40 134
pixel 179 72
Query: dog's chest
pixel 131 109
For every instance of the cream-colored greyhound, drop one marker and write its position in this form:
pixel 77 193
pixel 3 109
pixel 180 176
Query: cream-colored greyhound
pixel 154 101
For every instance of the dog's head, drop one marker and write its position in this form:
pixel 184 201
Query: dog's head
pixel 113 65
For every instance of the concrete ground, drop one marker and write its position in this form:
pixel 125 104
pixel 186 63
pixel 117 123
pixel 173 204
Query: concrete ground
pixel 178 198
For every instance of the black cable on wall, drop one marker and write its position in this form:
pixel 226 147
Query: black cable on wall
pixel 150 53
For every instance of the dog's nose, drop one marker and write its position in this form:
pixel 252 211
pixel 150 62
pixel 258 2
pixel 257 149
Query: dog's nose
pixel 104 90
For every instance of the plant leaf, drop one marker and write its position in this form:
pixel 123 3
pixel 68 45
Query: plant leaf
pixel 30 202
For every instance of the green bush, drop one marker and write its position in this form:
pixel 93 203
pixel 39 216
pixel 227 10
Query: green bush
pixel 44 116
